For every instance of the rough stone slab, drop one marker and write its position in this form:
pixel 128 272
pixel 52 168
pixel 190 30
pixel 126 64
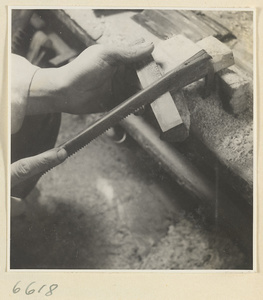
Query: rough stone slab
pixel 229 138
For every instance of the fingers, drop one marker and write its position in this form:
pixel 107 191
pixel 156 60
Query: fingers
pixel 28 167
pixel 128 54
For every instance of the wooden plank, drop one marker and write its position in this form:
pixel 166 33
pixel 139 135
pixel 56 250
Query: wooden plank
pixel 183 25
pixel 200 25
pixel 222 33
pixel 193 24
pixel 163 29
pixel 157 23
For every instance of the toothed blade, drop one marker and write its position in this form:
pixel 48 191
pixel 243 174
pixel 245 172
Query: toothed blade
pixel 173 80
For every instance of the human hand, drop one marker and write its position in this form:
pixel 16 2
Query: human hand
pixel 82 86
pixel 26 168
pixel 87 81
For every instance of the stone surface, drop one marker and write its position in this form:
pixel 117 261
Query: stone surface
pixel 110 207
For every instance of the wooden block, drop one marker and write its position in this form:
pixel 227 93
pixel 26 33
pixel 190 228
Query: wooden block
pixel 163 108
pixel 174 51
pixel 171 53
pixel 174 122
pixel 180 132
pixel 222 56
pixel 234 90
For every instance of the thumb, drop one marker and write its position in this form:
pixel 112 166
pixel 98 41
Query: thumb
pixel 30 166
pixel 128 54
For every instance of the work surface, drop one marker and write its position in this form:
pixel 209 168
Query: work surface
pixel 111 207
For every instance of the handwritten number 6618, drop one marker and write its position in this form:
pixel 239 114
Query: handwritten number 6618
pixel 29 290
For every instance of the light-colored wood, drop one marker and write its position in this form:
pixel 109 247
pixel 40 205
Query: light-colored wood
pixel 234 89
pixel 163 108
pixel 169 54
pixel 174 51
pixel 171 110
pixel 222 56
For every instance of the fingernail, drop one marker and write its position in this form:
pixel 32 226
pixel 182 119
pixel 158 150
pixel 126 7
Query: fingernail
pixel 146 44
pixel 138 41
pixel 62 154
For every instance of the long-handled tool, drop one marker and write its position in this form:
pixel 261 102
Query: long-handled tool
pixel 191 70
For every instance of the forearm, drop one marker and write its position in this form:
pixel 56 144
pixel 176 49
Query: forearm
pixel 33 90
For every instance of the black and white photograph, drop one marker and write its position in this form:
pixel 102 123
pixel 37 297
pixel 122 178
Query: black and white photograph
pixel 131 139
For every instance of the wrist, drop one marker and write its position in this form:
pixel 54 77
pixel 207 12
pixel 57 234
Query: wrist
pixel 46 90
